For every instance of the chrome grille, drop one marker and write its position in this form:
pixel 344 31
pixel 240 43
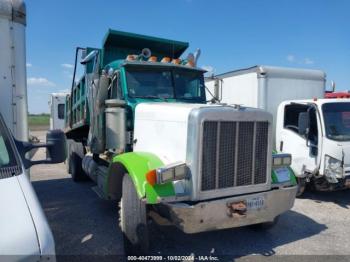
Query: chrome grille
pixel 233 154
pixel 209 155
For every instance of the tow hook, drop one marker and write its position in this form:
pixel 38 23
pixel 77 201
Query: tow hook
pixel 237 209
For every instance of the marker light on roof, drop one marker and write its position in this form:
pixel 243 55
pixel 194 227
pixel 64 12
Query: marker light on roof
pixel 152 59
pixel 190 60
pixel 131 57
pixel 176 61
pixel 166 60
pixel 190 63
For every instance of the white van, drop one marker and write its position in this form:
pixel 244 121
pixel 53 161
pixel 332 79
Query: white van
pixel 24 231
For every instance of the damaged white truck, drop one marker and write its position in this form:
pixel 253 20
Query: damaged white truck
pixel 315 130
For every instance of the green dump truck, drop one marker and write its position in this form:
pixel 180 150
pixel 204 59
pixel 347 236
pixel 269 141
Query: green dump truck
pixel 138 124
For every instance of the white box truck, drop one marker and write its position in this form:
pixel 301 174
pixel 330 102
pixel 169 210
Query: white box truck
pixel 25 234
pixel 266 87
pixel 314 130
pixel 57 108
pixel 13 74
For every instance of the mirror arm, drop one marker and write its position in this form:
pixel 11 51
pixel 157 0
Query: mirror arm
pixel 24 147
pixel 39 162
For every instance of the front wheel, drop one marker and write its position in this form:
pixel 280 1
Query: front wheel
pixel 301 186
pixel 133 220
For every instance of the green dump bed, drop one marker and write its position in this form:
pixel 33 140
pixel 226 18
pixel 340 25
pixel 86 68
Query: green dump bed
pixel 117 45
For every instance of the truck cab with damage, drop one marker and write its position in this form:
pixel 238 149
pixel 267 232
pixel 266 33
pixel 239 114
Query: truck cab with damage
pixel 317 133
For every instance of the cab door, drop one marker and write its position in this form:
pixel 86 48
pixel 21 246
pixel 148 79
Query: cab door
pixel 304 147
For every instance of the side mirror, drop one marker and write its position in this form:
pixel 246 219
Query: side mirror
pixel 303 123
pixel 89 57
pixel 55 149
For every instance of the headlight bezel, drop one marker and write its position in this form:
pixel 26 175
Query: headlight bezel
pixel 281 160
pixel 171 172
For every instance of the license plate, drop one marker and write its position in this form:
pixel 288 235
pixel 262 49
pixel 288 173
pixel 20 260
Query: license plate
pixel 282 174
pixel 255 203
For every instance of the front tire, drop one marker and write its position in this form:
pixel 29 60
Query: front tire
pixel 133 220
pixel 301 186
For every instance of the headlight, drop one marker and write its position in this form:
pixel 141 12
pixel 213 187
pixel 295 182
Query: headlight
pixel 176 171
pixel 281 160
pixel 333 169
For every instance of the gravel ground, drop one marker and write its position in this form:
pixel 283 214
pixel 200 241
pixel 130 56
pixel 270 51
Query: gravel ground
pixel 84 224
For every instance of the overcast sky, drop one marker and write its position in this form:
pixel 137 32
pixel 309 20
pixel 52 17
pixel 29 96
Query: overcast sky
pixel 231 34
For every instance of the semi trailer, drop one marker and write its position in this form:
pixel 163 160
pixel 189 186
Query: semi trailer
pixel 56 105
pixel 138 125
pixel 313 129
pixel 13 74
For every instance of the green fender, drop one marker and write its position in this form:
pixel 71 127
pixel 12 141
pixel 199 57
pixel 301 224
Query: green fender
pixel 137 165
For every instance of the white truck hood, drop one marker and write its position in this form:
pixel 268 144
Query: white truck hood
pixel 160 126
pixel 18 235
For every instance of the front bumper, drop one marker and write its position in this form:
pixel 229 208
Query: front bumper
pixel 214 215
pixel 322 184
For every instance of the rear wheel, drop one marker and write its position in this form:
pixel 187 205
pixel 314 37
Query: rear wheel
pixel 74 160
pixel 67 162
pixel 133 220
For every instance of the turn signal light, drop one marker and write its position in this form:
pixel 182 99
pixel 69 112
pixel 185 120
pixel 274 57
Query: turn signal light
pixel 151 177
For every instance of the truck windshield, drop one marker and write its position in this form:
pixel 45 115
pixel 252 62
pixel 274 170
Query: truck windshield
pixel 175 84
pixel 337 121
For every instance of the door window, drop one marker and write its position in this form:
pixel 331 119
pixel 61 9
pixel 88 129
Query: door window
pixel 4 155
pixel 60 110
pixel 291 122
pixel 291 116
pixel 313 130
pixel 115 90
pixel 9 161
